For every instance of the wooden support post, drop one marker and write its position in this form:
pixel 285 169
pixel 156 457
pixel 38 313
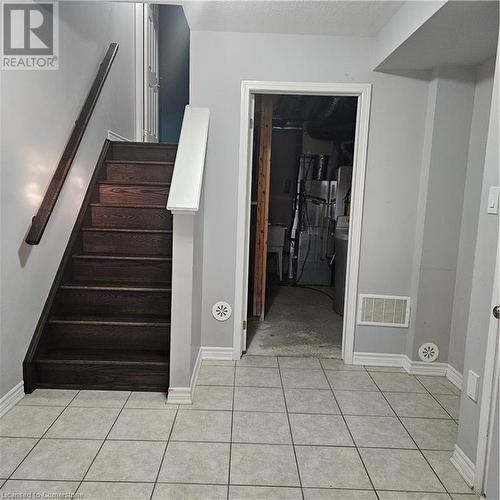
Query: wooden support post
pixel 263 186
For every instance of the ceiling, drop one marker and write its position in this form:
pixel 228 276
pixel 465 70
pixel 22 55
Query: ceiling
pixel 306 17
pixel 460 33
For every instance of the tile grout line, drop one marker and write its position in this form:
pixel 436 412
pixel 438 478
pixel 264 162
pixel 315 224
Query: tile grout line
pixel 41 437
pixel 233 411
pixel 350 434
pixel 290 429
pixel 231 433
pixel 409 434
pixel 435 399
pixel 164 453
pixel 102 444
pixel 446 411
pixel 325 488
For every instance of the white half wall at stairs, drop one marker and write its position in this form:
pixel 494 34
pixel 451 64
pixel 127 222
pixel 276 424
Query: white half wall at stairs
pixel 184 202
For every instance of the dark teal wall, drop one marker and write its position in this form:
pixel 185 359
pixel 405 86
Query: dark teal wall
pixel 173 52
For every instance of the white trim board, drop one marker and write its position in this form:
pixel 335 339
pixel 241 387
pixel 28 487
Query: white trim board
pixel 11 398
pixel 248 90
pixel 184 395
pixel 220 353
pixel 412 367
pixel 113 136
pixel 464 466
pixel 454 376
pixel 491 374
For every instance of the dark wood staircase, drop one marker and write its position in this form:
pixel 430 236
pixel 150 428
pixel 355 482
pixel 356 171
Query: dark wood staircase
pixel 106 322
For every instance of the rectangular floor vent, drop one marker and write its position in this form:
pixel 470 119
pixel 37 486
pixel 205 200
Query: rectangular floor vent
pixel 384 310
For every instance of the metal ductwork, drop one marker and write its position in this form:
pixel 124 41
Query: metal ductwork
pixel 330 118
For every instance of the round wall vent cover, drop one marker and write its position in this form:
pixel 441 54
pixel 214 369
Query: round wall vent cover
pixel 428 352
pixel 221 311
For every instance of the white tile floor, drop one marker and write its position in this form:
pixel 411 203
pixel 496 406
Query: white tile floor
pixel 261 428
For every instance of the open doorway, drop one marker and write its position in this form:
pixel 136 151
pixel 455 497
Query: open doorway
pixel 303 150
pixel 162 40
pixel 249 90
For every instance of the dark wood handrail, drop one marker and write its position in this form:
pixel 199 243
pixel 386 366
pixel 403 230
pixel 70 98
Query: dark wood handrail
pixel 42 216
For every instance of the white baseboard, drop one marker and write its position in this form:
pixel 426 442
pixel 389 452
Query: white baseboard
pixel 464 465
pixel 184 395
pixel 224 353
pixel 423 368
pixel 196 369
pixel 376 359
pixel 412 367
pixel 455 377
pixel 11 398
pixel 179 395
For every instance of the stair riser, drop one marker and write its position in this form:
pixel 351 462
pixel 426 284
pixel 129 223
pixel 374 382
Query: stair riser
pixel 133 338
pixel 138 377
pixel 130 271
pixel 117 171
pixel 128 243
pixel 131 217
pixel 113 302
pixel 144 195
pixel 144 152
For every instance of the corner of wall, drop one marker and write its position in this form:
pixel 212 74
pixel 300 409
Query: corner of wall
pixel 421 211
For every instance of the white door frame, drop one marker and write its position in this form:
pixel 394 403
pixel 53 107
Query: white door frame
pixel 248 90
pixel 151 74
pixel 141 49
pixel 489 391
pixel 139 70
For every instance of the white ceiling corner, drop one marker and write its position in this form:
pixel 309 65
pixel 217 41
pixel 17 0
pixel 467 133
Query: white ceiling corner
pixel 462 32
pixel 307 17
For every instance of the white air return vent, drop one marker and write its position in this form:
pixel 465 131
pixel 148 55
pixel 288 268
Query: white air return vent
pixel 384 310
pixel 221 311
pixel 428 352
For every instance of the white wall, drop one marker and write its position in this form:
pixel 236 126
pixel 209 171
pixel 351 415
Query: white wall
pixel 219 61
pixel 482 281
pixel 470 213
pixel 37 113
pixel 439 212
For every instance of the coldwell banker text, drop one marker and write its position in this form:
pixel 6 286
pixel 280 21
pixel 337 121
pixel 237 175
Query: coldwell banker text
pixel 30 36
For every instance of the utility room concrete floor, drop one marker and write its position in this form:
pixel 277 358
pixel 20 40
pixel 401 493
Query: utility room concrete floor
pixel 299 322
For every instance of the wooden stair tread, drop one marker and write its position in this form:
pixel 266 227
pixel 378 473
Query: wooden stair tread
pixel 145 258
pixel 118 286
pixel 135 320
pixel 139 144
pixel 125 230
pixel 108 356
pixel 104 255
pixel 126 205
pixel 153 163
pixel 134 183
pixel 107 322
